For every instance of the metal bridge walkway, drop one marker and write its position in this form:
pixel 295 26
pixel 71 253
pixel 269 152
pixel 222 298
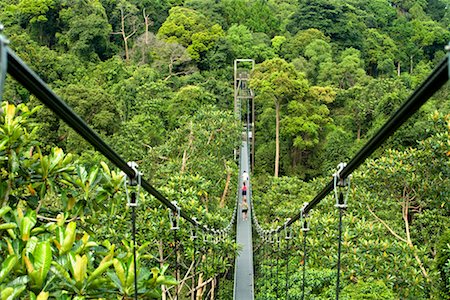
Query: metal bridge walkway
pixel 243 267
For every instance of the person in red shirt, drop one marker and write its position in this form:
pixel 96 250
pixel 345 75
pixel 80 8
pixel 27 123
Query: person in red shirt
pixel 244 190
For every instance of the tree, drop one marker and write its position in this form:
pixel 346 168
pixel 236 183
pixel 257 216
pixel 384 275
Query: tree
pixel 128 25
pixel 319 55
pixel 86 30
pixel 245 44
pixel 276 81
pixel 304 126
pixel 336 19
pixel 347 72
pixel 295 46
pixel 39 17
pixel 250 13
pixel 192 30
pixel 408 180
pixel 379 52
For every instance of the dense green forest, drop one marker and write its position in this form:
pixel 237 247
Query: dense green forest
pixel 155 79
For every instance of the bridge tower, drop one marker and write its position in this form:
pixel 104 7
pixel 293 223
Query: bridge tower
pixel 244 106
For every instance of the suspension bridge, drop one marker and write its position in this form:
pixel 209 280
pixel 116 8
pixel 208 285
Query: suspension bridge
pixel 244 288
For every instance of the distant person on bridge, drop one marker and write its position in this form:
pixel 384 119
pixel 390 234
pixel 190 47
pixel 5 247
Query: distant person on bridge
pixel 245 177
pixel 244 206
pixel 244 190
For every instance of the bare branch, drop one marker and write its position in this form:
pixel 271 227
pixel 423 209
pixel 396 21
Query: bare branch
pixel 387 226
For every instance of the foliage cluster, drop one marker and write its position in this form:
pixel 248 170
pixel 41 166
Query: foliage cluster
pixel 153 77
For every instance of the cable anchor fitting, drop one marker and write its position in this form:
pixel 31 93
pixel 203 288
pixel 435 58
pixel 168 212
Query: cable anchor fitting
pixel 174 217
pixel 342 183
pixel 133 199
pixel 304 218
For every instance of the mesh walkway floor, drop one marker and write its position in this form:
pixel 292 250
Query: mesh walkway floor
pixel 243 271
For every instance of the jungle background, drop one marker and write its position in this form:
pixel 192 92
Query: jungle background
pixel 155 79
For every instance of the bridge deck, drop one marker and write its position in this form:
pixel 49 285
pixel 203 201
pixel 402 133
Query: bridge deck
pixel 243 272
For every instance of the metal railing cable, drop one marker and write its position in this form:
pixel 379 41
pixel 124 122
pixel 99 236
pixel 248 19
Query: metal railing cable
pixel 432 84
pixel 33 83
pixel 439 76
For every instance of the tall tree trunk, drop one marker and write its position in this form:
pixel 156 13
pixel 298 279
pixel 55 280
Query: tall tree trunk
pixel 407 240
pixel 225 190
pixel 200 282
pixel 122 32
pixel 161 264
pixel 147 24
pixel 398 69
pixel 277 138
pixel 213 286
pixel 408 235
pixel 193 290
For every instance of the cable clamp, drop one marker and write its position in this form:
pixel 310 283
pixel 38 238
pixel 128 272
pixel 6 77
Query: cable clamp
pixel 304 218
pixel 342 183
pixel 287 231
pixel 174 216
pixel 3 60
pixel 133 181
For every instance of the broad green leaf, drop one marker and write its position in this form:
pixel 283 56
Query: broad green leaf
pixel 130 271
pixel 61 272
pixel 7 266
pixel 4 210
pixel 6 293
pixel 120 271
pixel 32 296
pixel 80 268
pixel 105 167
pixel 27 223
pixel 16 293
pixel 43 296
pixel 99 271
pixel 69 238
pixel 8 226
pixel 42 261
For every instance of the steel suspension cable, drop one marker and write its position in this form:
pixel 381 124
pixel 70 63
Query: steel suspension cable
pixel 429 86
pixel 32 82
pixel 133 222
pixel 278 256
pixel 194 238
pixel 20 71
pixel 304 264
pixel 339 250
pixel 175 238
pixel 287 269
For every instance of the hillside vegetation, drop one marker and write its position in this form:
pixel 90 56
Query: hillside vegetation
pixel 155 79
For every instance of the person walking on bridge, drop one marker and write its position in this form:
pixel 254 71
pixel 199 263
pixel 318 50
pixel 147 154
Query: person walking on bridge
pixel 244 206
pixel 244 177
pixel 244 190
